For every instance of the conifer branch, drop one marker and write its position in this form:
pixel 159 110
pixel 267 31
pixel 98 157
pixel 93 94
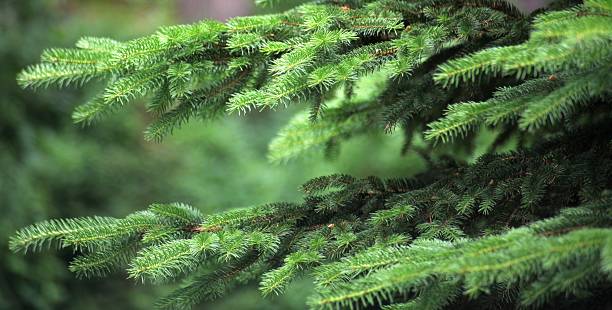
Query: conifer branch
pixel 534 221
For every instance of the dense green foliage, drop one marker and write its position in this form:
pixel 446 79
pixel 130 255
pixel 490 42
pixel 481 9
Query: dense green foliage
pixel 50 168
pixel 53 169
pixel 526 227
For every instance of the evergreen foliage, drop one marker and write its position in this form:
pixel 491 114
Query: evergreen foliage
pixel 529 227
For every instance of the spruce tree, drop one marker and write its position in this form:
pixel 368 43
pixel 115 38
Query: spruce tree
pixel 525 225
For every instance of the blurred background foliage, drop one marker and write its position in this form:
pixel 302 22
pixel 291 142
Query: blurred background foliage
pixel 51 168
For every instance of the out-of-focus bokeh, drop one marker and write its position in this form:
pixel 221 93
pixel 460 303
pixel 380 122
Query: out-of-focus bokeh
pixel 51 168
